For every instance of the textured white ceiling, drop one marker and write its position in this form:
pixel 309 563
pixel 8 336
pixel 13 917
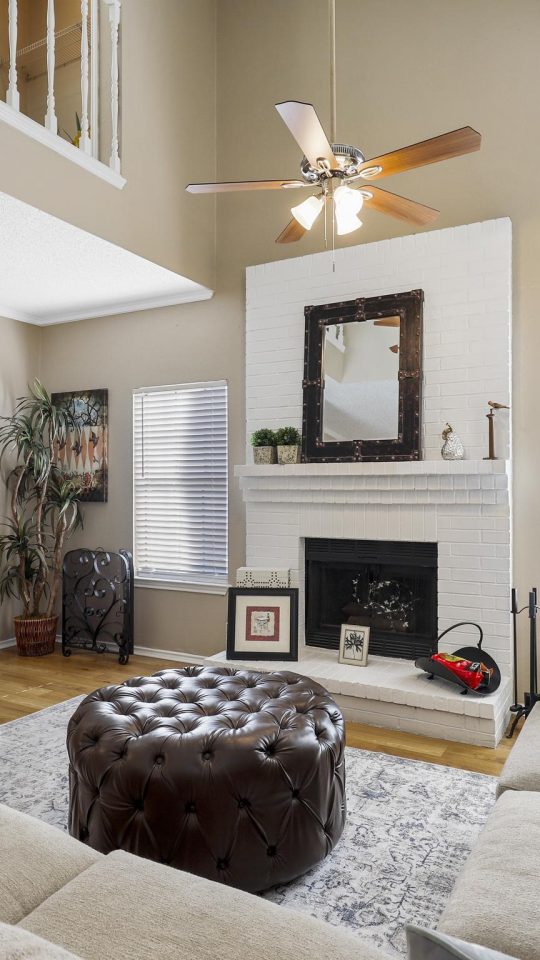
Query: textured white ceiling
pixel 52 272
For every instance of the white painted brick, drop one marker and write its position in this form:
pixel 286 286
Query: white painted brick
pixel 465 273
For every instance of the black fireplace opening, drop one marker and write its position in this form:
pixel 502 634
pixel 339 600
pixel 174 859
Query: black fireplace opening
pixel 388 585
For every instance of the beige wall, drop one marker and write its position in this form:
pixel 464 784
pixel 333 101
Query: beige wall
pixel 185 344
pixel 167 138
pixel 19 364
pixel 406 71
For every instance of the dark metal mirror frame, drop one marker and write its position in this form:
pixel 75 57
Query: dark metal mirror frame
pixel 408 306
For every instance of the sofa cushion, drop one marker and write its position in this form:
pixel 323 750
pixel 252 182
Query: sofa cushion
pixel 495 901
pixel 35 861
pixel 17 944
pixel 133 909
pixel 433 945
pixel 522 768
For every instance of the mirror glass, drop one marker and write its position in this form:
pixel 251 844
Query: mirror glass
pixel 361 380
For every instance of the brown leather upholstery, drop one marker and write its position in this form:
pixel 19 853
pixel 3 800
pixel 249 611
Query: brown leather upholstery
pixel 233 775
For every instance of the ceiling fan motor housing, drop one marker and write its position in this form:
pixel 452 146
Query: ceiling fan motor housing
pixel 349 158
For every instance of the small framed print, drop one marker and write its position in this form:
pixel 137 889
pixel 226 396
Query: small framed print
pixel 262 624
pixel 353 644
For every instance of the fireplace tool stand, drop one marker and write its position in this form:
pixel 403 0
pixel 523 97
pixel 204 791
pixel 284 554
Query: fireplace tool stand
pixel 523 709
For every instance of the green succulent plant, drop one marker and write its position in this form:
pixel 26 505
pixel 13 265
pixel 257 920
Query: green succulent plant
pixel 288 437
pixel 263 438
pixel 43 505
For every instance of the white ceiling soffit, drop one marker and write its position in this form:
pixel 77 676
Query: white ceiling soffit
pixel 53 272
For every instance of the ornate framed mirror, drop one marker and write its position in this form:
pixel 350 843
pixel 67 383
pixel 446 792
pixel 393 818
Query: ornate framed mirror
pixel 363 379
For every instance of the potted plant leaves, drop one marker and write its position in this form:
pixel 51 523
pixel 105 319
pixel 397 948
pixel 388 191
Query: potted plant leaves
pixel 264 446
pixel 43 512
pixel 288 442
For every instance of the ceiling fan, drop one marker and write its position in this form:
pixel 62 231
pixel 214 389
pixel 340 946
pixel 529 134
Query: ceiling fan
pixel 331 169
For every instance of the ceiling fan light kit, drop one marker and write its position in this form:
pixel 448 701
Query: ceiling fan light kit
pixel 307 212
pixel 333 167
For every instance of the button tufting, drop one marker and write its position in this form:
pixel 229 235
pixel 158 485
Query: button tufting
pixel 224 723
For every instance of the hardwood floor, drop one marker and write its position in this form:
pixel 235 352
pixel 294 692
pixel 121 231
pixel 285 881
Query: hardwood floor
pixel 27 685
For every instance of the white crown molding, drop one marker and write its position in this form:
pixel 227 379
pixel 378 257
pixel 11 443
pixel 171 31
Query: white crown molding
pixel 109 310
pixel 24 124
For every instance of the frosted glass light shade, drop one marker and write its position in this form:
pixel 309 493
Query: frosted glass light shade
pixel 307 212
pixel 347 200
pixel 346 222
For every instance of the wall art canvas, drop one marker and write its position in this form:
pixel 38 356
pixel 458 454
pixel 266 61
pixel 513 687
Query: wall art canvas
pixel 354 644
pixel 84 456
pixel 262 624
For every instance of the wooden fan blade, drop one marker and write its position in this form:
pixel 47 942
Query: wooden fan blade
pixel 387 322
pixel 454 144
pixel 399 207
pixel 291 233
pixel 306 128
pixel 233 185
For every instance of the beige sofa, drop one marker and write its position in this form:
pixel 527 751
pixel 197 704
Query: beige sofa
pixel 496 900
pixel 124 908
pixel 59 899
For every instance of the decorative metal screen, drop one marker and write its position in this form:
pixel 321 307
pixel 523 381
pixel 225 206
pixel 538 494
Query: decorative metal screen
pixel 97 602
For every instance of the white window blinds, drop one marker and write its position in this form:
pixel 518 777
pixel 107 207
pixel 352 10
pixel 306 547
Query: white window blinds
pixel 180 483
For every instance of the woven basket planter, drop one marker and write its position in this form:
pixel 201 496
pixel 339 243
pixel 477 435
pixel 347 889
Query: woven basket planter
pixel 35 636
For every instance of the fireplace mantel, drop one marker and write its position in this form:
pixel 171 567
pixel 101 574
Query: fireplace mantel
pixel 406 469
pixel 424 482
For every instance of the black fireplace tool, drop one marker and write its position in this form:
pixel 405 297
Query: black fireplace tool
pixel 523 709
pixel 435 669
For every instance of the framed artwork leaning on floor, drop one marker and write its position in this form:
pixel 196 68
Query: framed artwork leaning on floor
pixel 262 624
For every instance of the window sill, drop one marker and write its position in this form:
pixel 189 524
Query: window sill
pixel 148 583
pixel 52 140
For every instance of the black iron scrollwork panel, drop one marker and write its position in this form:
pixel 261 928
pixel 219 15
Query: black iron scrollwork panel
pixel 97 602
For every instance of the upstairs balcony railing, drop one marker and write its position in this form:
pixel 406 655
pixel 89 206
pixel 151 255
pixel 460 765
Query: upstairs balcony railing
pixel 59 78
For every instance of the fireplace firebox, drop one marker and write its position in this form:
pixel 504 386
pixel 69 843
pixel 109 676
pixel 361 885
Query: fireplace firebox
pixel 390 586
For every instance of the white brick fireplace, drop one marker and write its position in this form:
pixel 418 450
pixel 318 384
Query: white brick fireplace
pixel 464 507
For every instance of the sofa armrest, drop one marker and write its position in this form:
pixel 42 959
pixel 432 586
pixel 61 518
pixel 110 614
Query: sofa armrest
pixel 36 860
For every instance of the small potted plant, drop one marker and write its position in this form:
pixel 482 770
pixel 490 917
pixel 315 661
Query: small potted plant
pixel 288 442
pixel 264 446
pixel 43 512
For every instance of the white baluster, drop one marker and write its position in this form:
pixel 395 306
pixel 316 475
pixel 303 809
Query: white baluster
pixel 84 142
pixel 12 96
pixel 94 74
pixel 114 16
pixel 51 121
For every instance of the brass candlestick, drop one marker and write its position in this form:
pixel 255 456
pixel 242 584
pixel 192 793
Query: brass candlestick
pixel 491 434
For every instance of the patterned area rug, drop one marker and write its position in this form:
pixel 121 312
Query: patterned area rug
pixel 410 827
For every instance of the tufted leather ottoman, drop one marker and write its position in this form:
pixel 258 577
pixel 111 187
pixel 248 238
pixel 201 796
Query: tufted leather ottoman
pixel 234 775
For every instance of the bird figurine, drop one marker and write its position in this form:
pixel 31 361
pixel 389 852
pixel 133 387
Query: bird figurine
pixel 493 405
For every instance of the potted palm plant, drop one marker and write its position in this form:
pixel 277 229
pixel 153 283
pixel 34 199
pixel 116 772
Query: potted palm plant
pixel 43 512
pixel 263 442
pixel 288 442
